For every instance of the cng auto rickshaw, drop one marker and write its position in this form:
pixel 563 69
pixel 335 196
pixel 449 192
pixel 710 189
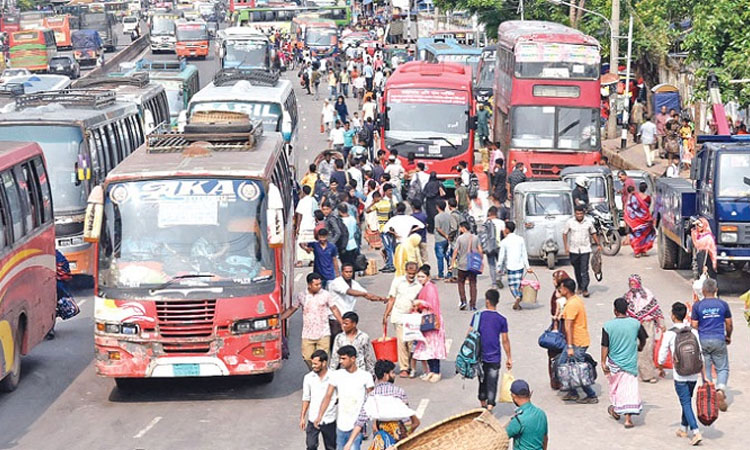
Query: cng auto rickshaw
pixel 540 210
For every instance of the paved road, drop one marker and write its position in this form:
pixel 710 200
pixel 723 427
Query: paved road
pixel 61 403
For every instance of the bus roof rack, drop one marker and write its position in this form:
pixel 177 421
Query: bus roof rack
pixel 254 76
pixel 92 98
pixel 148 65
pixel 703 138
pixel 215 137
pixel 138 79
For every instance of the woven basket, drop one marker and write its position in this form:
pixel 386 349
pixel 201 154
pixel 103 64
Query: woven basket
pixel 477 429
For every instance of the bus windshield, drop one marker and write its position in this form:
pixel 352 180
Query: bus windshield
pixel 61 145
pixel 269 113
pixel 468 60
pixel 487 74
pixel 148 242
pixel 163 25
pixel 245 54
pixel 320 36
pixel 555 127
pixel 435 118
pixel 734 175
pixel 192 33
pixel 174 90
pixel 553 60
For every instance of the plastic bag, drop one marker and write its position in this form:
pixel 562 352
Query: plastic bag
pixel 412 324
pixel 508 379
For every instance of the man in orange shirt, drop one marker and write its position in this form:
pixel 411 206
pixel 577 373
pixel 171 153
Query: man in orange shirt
pixel 577 333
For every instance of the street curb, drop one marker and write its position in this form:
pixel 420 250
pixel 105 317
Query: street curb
pixel 619 161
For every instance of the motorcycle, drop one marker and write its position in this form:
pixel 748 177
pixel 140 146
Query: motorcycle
pixel 606 229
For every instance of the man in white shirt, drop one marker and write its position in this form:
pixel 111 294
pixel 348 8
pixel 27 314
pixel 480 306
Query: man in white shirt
pixel 402 225
pixel 351 385
pixel 492 251
pixel 304 219
pixel 683 384
pixel 314 389
pixel 403 292
pixel 577 236
pixel 345 291
pixel 648 139
pixel 673 171
pixel 478 209
pixel 395 170
pixel 512 255
pixel 336 137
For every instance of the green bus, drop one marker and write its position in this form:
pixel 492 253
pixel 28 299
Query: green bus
pixel 281 15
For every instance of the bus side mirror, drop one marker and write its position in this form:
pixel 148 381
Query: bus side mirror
pixel 181 121
pixel 286 126
pixel 383 121
pixel 472 122
pixel 274 217
pixel 222 51
pixel 92 226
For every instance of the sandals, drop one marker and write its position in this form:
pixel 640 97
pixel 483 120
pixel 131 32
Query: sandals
pixel 611 411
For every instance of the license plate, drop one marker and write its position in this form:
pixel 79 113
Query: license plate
pixel 186 370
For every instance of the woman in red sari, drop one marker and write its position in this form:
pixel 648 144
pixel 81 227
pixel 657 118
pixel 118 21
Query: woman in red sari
pixel 639 220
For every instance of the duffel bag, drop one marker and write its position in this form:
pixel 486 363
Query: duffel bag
pixel 575 374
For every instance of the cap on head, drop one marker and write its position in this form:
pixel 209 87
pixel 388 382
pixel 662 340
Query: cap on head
pixel 520 388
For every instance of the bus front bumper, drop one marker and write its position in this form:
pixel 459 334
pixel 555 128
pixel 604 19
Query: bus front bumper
pixel 249 354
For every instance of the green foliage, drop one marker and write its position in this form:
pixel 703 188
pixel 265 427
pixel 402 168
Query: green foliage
pixel 26 5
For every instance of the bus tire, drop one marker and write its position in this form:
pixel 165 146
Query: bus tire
pixel 265 378
pixel 667 253
pixel 13 378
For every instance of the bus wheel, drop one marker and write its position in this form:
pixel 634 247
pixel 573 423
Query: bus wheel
pixel 12 378
pixel 265 378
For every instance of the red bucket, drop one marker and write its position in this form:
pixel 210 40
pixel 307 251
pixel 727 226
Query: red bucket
pixel 385 347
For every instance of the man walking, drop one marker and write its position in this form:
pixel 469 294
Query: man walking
pixel 351 335
pixel 443 228
pixel 384 207
pixel 403 292
pixel 622 338
pixel 516 177
pixel 513 257
pixel 577 236
pixel 648 135
pixel 577 333
pixel 490 237
pixel 315 303
pixel 345 291
pixel 314 388
pixel 528 426
pixel 325 262
pixel 351 385
pixel 713 320
pixel 466 243
pixel 493 329
pixel 351 250
pixel 684 385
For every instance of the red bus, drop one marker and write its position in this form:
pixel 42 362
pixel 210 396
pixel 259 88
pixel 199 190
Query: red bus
pixel 192 39
pixel 429 109
pixel 10 23
pixel 27 256
pixel 235 5
pixel 61 26
pixel 547 97
pixel 196 294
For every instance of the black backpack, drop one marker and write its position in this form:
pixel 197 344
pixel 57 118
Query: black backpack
pixel 473 185
pixel 687 352
pixel 344 236
pixel 488 238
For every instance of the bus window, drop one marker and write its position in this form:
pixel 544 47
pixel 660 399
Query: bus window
pixel 125 138
pixel 34 192
pixel 4 228
pixel 115 153
pixel 102 153
pixel 15 206
pixel 46 196
pixel 27 200
pixel 137 126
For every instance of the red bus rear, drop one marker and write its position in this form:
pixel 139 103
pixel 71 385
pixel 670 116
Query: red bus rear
pixel 547 97
pixel 61 26
pixel 234 5
pixel 27 257
pixel 196 294
pixel 10 23
pixel 428 109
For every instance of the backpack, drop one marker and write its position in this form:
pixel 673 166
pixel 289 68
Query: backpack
pixel 488 238
pixel 464 216
pixel 344 237
pixel 687 355
pixel 319 190
pixel 473 187
pixel 467 360
pixel 415 191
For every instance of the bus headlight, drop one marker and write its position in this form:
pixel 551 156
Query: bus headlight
pixel 129 329
pixel 728 234
pixel 252 325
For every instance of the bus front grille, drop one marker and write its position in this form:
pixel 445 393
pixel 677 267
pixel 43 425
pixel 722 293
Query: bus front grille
pixel 186 318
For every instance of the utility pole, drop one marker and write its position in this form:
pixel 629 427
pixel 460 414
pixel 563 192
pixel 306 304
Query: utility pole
pixel 626 111
pixel 614 53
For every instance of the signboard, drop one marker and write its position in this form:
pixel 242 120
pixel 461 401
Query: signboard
pixel 552 53
pixel 431 96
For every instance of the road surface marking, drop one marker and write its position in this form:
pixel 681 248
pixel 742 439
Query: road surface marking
pixel 297 277
pixel 81 302
pixel 422 406
pixel 448 343
pixel 304 127
pixel 148 427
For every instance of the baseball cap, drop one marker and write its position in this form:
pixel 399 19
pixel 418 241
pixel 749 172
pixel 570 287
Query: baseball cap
pixel 520 387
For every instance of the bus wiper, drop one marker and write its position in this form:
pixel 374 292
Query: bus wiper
pixel 167 283
pixel 407 141
pixel 746 180
pixel 444 139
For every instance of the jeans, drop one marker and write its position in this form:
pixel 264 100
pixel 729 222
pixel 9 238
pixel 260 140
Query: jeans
pixel 684 391
pixel 434 365
pixel 342 437
pixel 316 91
pixel 488 383
pixel 329 436
pixel 463 275
pixel 332 92
pixel 387 240
pixel 578 354
pixel 715 354
pixel 345 89
pixel 492 264
pixel 441 253
pixel 580 263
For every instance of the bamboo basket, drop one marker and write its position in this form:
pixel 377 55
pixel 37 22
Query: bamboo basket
pixel 476 429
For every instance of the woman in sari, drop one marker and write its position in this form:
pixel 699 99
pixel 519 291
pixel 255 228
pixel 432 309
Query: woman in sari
pixel 433 191
pixel 432 349
pixel 640 221
pixel 557 302
pixel 407 251
pixel 642 305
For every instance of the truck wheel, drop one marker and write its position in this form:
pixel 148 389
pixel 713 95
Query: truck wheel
pixel 667 253
pixel 611 242
pixel 684 259
pixel 550 260
pixel 13 377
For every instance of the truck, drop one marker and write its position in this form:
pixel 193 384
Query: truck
pixel 102 22
pixel 87 46
pixel 719 191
